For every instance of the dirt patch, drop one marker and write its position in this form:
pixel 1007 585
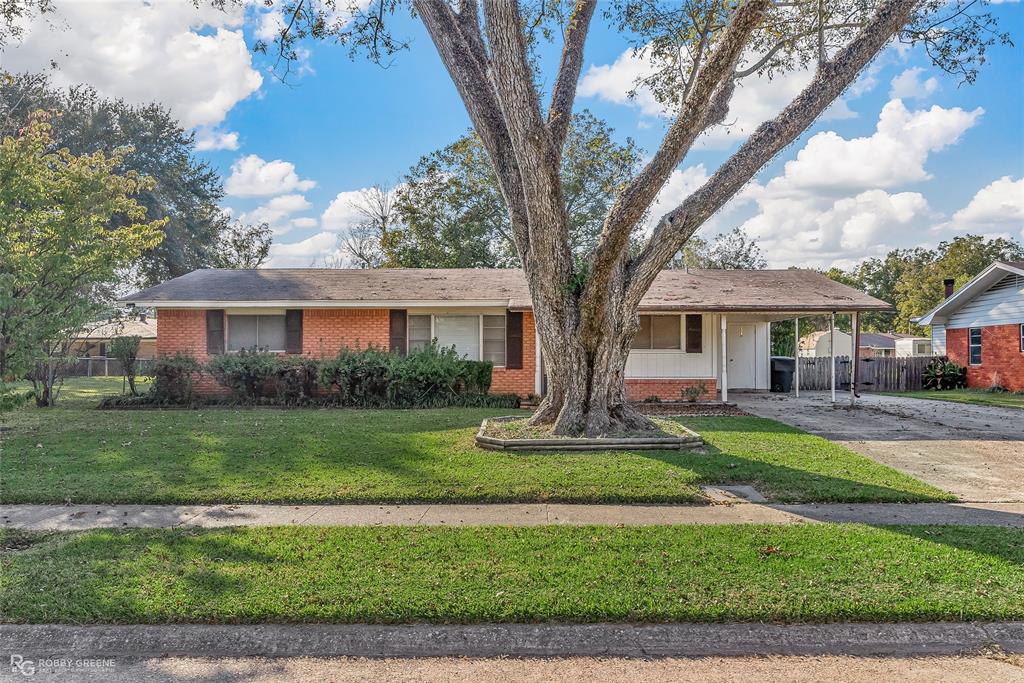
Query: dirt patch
pixel 680 409
pixel 12 541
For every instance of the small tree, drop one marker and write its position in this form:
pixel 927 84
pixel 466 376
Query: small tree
pixel 59 255
pixel 126 350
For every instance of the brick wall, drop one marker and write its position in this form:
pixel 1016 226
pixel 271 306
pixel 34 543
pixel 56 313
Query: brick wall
pixel 667 389
pixel 326 331
pixel 520 382
pixel 184 330
pixel 1002 362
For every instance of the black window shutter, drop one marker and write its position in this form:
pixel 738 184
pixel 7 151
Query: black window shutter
pixel 514 340
pixel 293 330
pixel 398 334
pixel 694 333
pixel 214 331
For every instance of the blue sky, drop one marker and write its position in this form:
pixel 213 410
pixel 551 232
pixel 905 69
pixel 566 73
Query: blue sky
pixel 909 157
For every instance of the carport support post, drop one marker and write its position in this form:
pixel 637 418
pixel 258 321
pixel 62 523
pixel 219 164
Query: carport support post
pixel 725 362
pixel 855 321
pixel 796 354
pixel 832 351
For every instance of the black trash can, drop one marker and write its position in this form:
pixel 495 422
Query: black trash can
pixel 783 368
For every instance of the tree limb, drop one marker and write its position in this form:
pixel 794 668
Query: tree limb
pixel 769 139
pixel 564 93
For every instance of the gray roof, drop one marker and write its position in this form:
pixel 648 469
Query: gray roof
pixel 709 290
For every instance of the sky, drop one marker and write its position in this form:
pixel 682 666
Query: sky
pixel 908 157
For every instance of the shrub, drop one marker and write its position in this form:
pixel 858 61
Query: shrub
pixel 244 373
pixel 475 376
pixel 360 378
pixel 653 398
pixel 942 374
pixel 295 379
pixel 126 350
pixel 425 374
pixel 694 392
pixel 172 378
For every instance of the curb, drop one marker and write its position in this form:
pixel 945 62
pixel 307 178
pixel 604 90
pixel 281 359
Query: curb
pixel 510 640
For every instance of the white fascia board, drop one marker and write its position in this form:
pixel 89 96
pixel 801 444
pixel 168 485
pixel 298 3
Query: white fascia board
pixel 462 303
pixel 965 293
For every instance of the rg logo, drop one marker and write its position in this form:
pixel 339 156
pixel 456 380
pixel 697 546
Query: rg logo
pixel 26 667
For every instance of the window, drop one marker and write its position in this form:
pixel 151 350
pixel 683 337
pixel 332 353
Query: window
pixel 974 345
pixel 923 348
pixel 657 332
pixel 695 333
pixel 256 331
pixel 494 339
pixel 419 332
pixel 460 331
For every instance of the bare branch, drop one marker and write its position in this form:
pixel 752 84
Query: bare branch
pixel 564 93
pixel 771 137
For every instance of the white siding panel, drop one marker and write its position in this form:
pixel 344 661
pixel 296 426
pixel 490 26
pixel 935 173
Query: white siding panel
pixel 665 364
pixel 1001 304
pixel 939 340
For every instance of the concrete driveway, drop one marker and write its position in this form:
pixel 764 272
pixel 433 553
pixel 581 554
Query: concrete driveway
pixel 975 452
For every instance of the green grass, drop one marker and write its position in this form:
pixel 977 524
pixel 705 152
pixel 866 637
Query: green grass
pixel 490 574
pixel 975 396
pixel 74 453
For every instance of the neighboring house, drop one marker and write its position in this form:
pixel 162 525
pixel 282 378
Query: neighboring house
pixel 689 321
pixel 872 345
pixel 94 340
pixel 981 326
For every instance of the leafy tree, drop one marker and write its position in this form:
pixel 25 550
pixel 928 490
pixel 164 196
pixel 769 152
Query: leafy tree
pixel 183 192
pixel 586 308
pixel 243 246
pixel 919 288
pixel 126 350
pixel 733 250
pixel 454 215
pixel 68 224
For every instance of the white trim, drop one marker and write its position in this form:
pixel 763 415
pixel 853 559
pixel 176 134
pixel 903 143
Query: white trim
pixel 965 292
pixel 725 360
pixel 538 379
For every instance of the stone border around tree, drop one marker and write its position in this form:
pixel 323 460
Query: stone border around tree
pixel 640 443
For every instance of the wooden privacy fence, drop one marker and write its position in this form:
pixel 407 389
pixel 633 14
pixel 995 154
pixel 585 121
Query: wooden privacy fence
pixel 873 374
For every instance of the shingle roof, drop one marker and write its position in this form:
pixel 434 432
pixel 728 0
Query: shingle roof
pixel 717 290
pixel 120 328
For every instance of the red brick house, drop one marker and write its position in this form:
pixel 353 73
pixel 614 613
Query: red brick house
pixel 981 326
pixel 689 321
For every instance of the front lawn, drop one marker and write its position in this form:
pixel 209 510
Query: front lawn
pixel 975 396
pixel 491 574
pixel 78 454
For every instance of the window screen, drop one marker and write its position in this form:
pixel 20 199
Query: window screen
pixel 494 339
pixel 665 331
pixel 642 339
pixel 974 345
pixel 256 331
pixel 695 333
pixel 460 331
pixel 419 332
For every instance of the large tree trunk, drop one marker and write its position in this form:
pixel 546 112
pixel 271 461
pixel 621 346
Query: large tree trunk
pixel 586 369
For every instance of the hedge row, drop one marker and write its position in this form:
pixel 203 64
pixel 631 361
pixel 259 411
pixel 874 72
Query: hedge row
pixel 372 378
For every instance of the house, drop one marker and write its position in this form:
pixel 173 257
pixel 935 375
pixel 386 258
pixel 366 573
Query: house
pixel 981 326
pixel 690 320
pixel 94 340
pixel 872 345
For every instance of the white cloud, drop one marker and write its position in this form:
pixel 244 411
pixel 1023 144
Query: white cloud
pixel 304 253
pixel 895 153
pixel 208 139
pixel 831 205
pixel 999 204
pixel 278 211
pixel 613 82
pixel 193 60
pixel 341 214
pixel 910 85
pixel 251 176
pixel 681 184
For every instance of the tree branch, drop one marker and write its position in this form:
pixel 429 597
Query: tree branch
pixel 834 76
pixel 705 96
pixel 564 93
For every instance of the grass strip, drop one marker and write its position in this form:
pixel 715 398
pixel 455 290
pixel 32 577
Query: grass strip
pixel 800 573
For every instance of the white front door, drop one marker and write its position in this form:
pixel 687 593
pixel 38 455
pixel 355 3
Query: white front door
pixel 741 348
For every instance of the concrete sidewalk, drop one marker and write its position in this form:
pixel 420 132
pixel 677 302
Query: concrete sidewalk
pixel 76 517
